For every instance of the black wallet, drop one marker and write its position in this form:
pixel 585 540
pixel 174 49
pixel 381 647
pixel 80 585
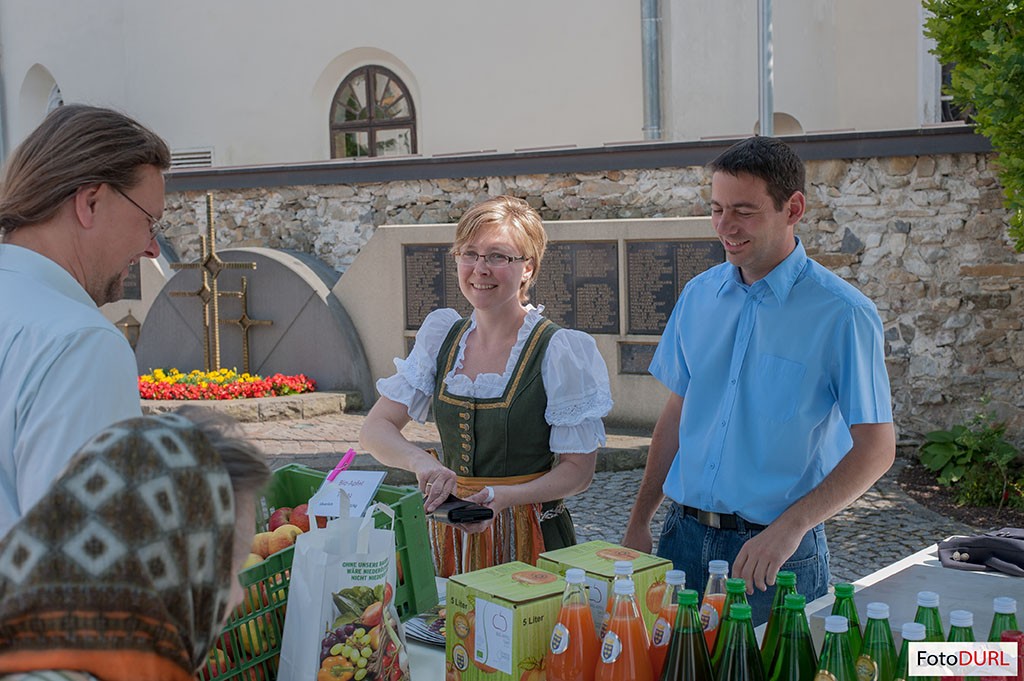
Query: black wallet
pixel 455 511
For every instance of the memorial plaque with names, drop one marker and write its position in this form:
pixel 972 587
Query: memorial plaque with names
pixel 656 272
pixel 133 283
pixel 634 358
pixel 579 285
pixel 431 282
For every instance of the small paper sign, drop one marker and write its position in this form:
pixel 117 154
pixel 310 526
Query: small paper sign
pixel 328 502
pixel 359 486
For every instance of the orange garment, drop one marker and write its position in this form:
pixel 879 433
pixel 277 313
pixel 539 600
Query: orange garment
pixel 514 534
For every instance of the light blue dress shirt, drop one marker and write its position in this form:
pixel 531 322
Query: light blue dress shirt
pixel 772 375
pixel 65 372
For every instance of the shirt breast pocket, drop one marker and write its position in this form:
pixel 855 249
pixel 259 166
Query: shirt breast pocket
pixel 778 387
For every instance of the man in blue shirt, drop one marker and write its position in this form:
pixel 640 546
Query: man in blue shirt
pixel 780 411
pixel 80 201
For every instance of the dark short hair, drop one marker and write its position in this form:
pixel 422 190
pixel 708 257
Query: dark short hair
pixel 74 146
pixel 768 158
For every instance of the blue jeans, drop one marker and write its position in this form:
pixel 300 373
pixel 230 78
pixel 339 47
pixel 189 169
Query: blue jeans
pixel 690 545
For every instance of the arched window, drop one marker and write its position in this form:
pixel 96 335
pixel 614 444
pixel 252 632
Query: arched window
pixel 372 115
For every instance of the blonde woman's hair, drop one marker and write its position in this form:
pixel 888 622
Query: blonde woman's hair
pixel 521 221
pixel 76 145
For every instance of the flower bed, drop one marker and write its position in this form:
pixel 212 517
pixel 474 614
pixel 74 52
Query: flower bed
pixel 223 384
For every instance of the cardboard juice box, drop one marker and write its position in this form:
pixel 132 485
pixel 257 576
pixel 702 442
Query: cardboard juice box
pixel 499 622
pixel 597 559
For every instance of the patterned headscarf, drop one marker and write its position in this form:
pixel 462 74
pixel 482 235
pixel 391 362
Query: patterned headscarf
pixel 123 569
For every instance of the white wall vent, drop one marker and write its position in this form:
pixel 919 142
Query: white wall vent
pixel 192 158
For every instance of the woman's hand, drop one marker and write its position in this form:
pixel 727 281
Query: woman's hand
pixel 435 482
pixel 495 498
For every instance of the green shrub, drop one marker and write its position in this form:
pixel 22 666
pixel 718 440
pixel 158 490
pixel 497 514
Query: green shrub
pixel 985 39
pixel 976 461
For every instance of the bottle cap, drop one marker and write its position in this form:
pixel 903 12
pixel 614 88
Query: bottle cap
pixel 739 611
pixel 913 631
pixel 961 618
pixel 624 587
pixel 1004 605
pixel 878 611
pixel 718 567
pixel 837 624
pixel 687 597
pixel 735 585
pixel 843 589
pixel 794 601
pixel 785 578
pixel 927 599
pixel 675 577
pixel 623 567
pixel 575 576
pixel 1012 636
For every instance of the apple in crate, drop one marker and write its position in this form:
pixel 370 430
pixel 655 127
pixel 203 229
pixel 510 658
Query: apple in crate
pixel 279 517
pixel 260 544
pixel 300 517
pixel 282 538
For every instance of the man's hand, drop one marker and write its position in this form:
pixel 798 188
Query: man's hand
pixel 764 554
pixel 638 538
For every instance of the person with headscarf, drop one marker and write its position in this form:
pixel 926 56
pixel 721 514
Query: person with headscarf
pixel 126 569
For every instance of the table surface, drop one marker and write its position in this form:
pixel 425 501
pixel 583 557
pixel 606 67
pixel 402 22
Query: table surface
pixel 896 584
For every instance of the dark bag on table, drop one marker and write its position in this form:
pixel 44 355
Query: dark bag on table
pixel 999 550
pixel 454 511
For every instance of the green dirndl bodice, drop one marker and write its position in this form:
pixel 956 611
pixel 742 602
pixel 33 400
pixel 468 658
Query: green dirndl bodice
pixel 502 436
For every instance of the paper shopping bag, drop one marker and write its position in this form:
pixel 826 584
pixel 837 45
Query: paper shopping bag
pixel 341 621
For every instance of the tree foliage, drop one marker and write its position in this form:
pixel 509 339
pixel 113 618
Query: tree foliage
pixel 985 41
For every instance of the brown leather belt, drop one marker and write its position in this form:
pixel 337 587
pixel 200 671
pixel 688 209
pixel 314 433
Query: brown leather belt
pixel 721 521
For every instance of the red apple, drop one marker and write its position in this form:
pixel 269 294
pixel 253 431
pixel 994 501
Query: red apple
pixel 300 518
pixel 282 538
pixel 279 517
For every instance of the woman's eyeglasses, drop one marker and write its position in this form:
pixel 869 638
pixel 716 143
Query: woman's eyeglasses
pixel 469 258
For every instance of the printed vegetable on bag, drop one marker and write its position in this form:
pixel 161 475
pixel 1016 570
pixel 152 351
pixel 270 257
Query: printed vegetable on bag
pixel 362 644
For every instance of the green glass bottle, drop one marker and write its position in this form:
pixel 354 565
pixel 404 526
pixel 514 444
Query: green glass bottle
pixel 735 592
pixel 795 659
pixel 877 659
pixel 961 630
pixel 928 615
pixel 836 662
pixel 687 658
pixel 741 660
pixel 1004 616
pixel 845 606
pixel 912 631
pixel 785 584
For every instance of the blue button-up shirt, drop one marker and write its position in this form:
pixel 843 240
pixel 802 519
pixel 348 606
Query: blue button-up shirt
pixel 773 375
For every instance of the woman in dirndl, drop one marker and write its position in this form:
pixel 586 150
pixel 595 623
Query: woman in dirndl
pixel 518 401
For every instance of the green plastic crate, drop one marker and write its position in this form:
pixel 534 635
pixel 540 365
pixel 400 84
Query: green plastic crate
pixel 252 641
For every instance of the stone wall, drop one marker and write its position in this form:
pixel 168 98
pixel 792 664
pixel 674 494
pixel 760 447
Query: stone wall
pixel 923 236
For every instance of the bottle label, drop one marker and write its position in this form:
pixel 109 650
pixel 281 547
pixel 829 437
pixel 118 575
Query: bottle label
pixel 604 626
pixel 559 639
pixel 824 675
pixel 611 648
pixel 662 633
pixel 867 669
pixel 708 617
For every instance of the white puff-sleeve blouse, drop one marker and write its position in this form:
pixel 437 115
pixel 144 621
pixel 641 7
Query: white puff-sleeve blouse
pixel 574 374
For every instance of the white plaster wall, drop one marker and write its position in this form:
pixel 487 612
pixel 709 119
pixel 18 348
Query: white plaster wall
pixel 837 65
pixel 254 78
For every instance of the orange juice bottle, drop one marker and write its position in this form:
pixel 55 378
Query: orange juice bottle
pixel 572 654
pixel 714 599
pixel 623 570
pixel 624 649
pixel 661 633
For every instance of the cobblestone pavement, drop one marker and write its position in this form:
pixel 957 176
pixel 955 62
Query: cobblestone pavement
pixel 879 528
